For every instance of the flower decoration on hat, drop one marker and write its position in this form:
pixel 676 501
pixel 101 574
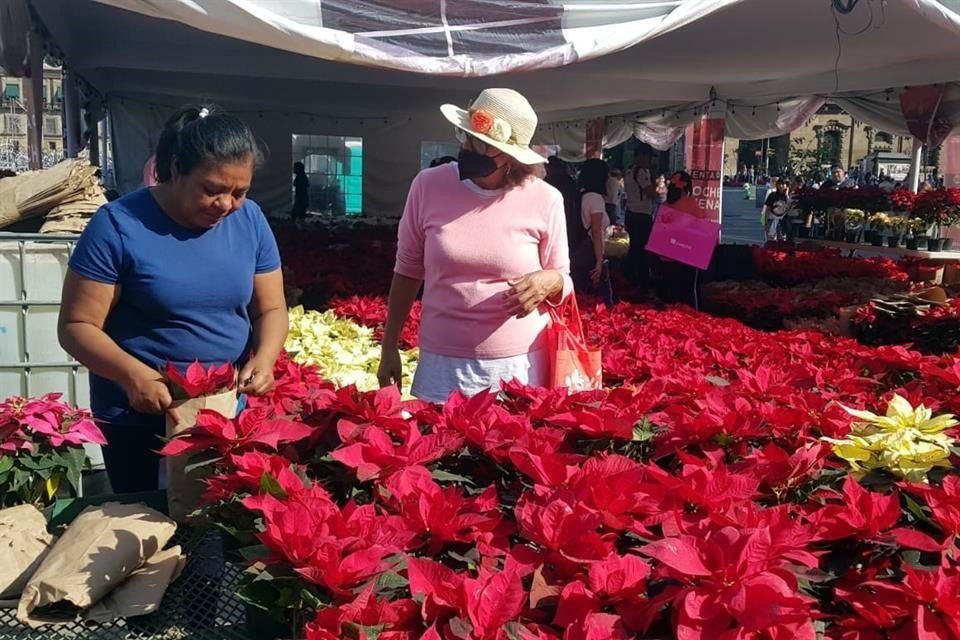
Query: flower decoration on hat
pixel 482 121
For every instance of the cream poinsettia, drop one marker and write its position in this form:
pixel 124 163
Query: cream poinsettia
pixel 345 351
pixel 907 442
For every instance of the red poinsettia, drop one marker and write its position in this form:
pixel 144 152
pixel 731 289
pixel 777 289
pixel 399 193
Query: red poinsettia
pixel 445 515
pixel 197 381
pixel 866 515
pixel 252 429
pixel 377 456
pixel 732 585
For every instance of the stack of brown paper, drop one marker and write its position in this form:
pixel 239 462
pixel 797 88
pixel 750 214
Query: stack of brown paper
pixel 71 184
pixel 24 543
pixel 111 550
pixel 184 489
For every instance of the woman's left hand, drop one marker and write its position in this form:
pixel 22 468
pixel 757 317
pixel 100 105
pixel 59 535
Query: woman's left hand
pixel 530 291
pixel 256 378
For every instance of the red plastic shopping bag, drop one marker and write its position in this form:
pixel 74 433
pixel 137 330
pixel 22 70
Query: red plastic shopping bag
pixel 573 365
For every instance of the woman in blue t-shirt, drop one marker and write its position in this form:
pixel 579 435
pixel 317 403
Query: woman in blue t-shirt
pixel 186 270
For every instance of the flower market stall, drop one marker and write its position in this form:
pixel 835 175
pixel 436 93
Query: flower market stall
pixel 784 466
pixel 793 472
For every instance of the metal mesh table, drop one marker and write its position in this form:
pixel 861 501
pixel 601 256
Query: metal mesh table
pixel 200 605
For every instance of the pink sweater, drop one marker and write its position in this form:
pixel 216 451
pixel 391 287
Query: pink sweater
pixel 466 244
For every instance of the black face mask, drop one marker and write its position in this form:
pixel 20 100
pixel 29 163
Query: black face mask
pixel 674 194
pixel 475 165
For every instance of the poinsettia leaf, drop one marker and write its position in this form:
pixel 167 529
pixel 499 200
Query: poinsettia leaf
pixel 269 484
pixel 390 581
pixel 679 555
pixel 913 539
pixel 445 476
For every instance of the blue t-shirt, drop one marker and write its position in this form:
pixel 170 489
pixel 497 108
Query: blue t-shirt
pixel 184 293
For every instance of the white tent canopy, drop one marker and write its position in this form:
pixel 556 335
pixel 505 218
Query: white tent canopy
pixel 379 69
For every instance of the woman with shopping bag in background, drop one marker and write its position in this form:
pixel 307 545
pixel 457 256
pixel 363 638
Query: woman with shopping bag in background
pixel 486 239
pixel 187 270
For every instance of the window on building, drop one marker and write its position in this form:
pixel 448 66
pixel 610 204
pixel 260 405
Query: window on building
pixel 883 137
pixel 832 147
pixel 14 124
pixel 52 146
pixel 429 151
pixel 51 126
pixel 58 94
pixel 16 146
pixel 334 166
pixel 11 91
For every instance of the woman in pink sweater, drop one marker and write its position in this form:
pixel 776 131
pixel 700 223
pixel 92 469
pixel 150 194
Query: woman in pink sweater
pixel 487 239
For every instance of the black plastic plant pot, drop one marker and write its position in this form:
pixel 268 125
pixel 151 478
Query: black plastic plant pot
pixel 893 241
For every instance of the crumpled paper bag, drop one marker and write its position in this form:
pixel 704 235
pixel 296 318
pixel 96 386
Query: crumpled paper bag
pixel 24 542
pixel 96 554
pixel 141 593
pixel 184 489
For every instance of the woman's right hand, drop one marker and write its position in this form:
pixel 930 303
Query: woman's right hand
pixel 149 394
pixel 391 369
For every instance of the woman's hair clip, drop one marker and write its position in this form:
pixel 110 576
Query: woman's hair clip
pixel 204 112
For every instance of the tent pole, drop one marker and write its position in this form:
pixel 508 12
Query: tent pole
pixel 915 166
pixel 71 110
pixel 33 95
pixel 93 143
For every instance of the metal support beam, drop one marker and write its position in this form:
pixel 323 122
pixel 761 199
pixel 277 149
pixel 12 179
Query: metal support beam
pixel 33 96
pixel 93 143
pixel 71 114
pixel 916 166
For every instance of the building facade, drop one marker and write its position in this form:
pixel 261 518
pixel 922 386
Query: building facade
pixel 831 137
pixel 13 120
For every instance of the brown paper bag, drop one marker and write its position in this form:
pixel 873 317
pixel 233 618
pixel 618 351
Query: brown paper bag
pixel 141 593
pixel 184 489
pixel 96 553
pixel 24 543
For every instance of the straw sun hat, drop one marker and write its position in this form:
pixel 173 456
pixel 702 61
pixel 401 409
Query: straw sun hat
pixel 503 119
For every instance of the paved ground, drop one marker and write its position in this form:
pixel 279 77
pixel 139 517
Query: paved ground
pixel 740 223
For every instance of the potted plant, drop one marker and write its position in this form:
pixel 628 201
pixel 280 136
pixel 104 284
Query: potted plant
pixel 916 240
pixel 853 220
pixel 896 225
pixel 939 208
pixel 41 448
pixel 879 221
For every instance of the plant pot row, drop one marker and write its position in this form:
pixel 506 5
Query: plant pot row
pixel 912 243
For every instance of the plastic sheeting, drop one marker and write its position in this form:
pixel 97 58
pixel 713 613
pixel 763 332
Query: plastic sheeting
pixel 445 37
pixel 343 67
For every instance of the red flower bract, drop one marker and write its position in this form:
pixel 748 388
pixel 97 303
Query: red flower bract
pixel 197 381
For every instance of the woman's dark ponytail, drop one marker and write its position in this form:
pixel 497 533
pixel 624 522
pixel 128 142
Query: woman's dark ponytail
pixel 202 135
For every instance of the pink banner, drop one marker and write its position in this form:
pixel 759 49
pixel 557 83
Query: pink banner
pixel 704 159
pixel 682 237
pixel 951 162
pixel 596 129
pixel 920 106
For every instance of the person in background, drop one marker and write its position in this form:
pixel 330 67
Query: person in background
pixel 661 191
pixel 838 180
pixel 301 192
pixel 681 283
pixel 587 233
pixel 794 216
pixel 150 166
pixel 775 209
pixel 436 162
pixel 641 198
pixel 612 195
pixel 184 271
pixel 487 241
pixel 558 176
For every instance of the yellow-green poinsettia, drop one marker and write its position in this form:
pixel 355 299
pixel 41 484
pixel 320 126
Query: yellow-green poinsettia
pixel 345 351
pixel 908 442
pixel 901 414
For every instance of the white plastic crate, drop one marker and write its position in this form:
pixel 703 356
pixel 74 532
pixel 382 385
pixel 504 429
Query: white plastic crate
pixel 32 363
